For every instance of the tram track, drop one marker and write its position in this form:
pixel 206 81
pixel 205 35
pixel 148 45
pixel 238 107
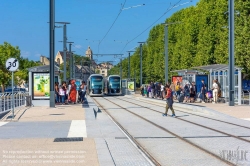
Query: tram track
pixel 221 132
pixel 189 113
pixel 162 128
pixel 139 146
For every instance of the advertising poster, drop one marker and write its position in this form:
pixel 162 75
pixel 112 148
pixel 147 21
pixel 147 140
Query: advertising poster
pixel 198 81
pixel 131 86
pixel 41 84
pixel 176 79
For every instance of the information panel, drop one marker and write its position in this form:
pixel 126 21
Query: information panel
pixel 41 86
pixel 131 86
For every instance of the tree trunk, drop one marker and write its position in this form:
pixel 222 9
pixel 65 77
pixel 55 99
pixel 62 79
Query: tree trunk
pixel 2 88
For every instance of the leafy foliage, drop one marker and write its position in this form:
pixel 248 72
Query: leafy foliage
pixel 199 37
pixel 8 51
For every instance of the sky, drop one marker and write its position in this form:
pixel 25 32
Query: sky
pixel 24 23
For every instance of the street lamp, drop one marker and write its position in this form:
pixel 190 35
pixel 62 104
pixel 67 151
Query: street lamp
pixel 64 47
pixel 166 48
pixel 52 51
pixel 129 63
pixel 141 62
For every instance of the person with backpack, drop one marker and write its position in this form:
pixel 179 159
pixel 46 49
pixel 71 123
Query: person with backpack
pixel 169 101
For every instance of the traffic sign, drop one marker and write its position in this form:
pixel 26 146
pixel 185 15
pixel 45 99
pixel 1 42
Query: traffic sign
pixel 12 64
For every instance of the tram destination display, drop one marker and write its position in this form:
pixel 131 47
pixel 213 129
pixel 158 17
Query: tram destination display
pixel 41 85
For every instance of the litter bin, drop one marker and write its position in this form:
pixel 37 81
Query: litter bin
pixel 28 101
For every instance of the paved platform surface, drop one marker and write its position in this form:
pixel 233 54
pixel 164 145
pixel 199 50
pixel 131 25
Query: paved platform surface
pixel 238 111
pixel 28 139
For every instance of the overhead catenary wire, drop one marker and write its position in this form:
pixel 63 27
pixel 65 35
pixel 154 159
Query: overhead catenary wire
pixel 112 25
pixel 168 10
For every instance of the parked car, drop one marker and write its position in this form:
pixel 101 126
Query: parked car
pixel 15 90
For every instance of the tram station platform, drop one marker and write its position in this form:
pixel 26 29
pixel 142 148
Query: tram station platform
pixel 29 138
pixel 80 135
pixel 237 111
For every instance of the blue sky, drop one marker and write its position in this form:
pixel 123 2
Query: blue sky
pixel 24 24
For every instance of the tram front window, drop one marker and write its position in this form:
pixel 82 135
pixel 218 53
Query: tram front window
pixel 96 82
pixel 114 83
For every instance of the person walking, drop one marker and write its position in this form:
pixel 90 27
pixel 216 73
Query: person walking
pixel 169 101
pixel 215 91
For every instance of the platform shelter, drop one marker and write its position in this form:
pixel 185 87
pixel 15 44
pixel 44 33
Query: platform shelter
pixel 220 72
pixel 216 71
pixel 39 84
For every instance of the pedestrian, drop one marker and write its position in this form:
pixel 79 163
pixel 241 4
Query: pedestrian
pixel 203 90
pixel 169 101
pixel 149 91
pixel 186 93
pixel 142 90
pixel 145 90
pixel 215 91
pixel 152 87
pixel 219 88
pixel 62 94
pixel 57 92
pixel 73 92
pixel 162 91
pixel 83 89
pixel 178 90
pixel 172 87
pixel 193 91
pixel 65 88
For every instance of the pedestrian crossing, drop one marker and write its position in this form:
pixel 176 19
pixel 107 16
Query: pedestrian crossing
pixel 77 129
pixel 3 123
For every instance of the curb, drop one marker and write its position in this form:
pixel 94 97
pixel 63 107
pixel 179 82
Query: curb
pixel 187 107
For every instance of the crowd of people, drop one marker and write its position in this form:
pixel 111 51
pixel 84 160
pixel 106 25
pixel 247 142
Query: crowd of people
pixel 67 93
pixel 186 93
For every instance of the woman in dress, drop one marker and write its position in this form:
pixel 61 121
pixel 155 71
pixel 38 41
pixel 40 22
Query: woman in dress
pixel 73 92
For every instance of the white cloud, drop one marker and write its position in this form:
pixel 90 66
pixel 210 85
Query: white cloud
pixel 78 46
pixel 25 54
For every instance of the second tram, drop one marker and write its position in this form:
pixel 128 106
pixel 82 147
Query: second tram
pixel 95 85
pixel 113 85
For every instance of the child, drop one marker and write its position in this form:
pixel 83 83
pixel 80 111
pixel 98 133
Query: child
pixel 62 94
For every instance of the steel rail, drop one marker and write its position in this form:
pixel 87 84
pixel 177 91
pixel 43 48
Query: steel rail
pixel 196 115
pixel 150 157
pixel 230 135
pixel 176 135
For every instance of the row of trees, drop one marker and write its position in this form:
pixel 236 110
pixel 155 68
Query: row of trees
pixel 8 51
pixel 199 38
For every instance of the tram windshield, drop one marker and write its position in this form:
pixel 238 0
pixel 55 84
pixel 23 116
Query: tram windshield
pixel 114 82
pixel 96 82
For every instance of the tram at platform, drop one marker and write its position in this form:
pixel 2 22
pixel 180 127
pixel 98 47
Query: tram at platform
pixel 95 85
pixel 113 85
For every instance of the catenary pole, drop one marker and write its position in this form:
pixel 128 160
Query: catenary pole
pixel 52 52
pixel 166 53
pixel 231 52
pixel 64 52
